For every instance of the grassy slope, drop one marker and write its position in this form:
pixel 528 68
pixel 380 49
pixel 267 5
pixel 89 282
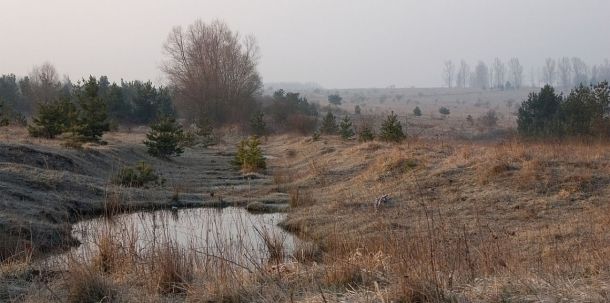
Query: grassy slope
pixel 511 221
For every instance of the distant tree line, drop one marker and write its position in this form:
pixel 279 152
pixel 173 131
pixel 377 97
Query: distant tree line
pixel 583 112
pixel 563 72
pixel 133 102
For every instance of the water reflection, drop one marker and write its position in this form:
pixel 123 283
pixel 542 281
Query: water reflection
pixel 232 233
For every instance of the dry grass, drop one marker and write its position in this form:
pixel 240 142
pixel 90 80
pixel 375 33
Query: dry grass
pixel 509 222
pixel 89 286
pixel 461 214
pixel 171 268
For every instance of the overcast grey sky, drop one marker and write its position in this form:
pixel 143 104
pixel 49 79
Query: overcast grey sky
pixel 337 43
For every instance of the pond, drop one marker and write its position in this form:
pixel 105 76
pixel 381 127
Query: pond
pixel 229 233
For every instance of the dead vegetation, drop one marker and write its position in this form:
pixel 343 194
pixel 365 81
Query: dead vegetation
pixel 509 222
pixel 462 216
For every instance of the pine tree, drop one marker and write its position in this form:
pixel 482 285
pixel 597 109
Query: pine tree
pixel 417 111
pixel 365 133
pixel 165 138
pixel 53 119
pixel 93 118
pixel 329 124
pixel 391 129
pixel 250 155
pixel 4 121
pixel 346 130
pixel 257 123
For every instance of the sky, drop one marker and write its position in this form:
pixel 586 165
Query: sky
pixel 336 43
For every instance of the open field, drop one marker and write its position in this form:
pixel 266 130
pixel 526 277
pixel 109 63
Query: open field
pixel 466 221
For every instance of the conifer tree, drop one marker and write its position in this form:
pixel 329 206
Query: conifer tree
pixel 250 155
pixel 257 123
pixel 165 138
pixel 329 124
pixel 365 133
pixel 93 117
pixel 346 130
pixel 53 119
pixel 417 111
pixel 391 129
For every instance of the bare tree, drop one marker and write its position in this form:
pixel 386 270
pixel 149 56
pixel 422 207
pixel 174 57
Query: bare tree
pixel 462 74
pixel 213 71
pixel 498 71
pixel 581 71
pixel 516 72
pixel 564 67
pixel 448 73
pixel 549 72
pixel 45 83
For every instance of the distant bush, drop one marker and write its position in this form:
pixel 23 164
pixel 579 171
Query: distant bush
pixel 365 133
pixel 315 136
pixel 329 124
pixel 249 155
pixel 291 112
pixel 136 176
pixel 335 99
pixel 357 110
pixel 257 123
pixel 489 120
pixel 53 119
pixel 165 138
pixel 470 120
pixel 444 111
pixel 391 129
pixel 8 116
pixel 345 128
pixel 203 133
pixel 417 111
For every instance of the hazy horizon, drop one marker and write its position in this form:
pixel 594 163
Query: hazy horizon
pixel 338 44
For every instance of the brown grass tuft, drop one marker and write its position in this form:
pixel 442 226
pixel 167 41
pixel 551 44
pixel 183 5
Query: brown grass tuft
pixel 171 268
pixel 87 286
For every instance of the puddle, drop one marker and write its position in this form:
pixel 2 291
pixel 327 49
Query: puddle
pixel 230 233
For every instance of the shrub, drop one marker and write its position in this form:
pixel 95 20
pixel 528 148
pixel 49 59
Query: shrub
pixel 53 119
pixel 137 176
pixel 417 111
pixel 489 120
pixel 257 123
pixel 470 120
pixel 329 124
pixel 346 130
pixel 9 116
pixel 165 138
pixel 335 99
pixel 357 110
pixel 365 133
pixel 444 111
pixel 291 112
pixel 249 155
pixel 205 131
pixel 315 136
pixel 391 129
